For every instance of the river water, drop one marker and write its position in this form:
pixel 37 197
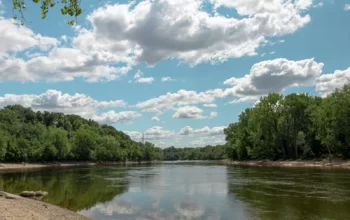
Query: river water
pixel 205 191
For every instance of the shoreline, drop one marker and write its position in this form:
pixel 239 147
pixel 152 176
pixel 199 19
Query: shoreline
pixel 25 166
pixel 18 207
pixel 344 164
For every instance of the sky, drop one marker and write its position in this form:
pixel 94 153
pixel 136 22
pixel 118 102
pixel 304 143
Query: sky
pixel 178 71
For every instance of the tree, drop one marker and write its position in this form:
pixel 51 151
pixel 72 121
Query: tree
pixel 69 7
pixel 84 143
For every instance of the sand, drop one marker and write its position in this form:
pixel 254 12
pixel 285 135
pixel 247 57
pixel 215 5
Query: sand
pixel 29 209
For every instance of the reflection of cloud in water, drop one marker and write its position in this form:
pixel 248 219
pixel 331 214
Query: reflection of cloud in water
pixel 115 207
pixel 190 210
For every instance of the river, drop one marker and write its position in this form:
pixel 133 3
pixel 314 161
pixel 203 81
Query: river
pixel 195 190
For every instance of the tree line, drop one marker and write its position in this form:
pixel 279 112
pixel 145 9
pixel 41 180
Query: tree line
pixel 296 126
pixel 200 153
pixel 28 136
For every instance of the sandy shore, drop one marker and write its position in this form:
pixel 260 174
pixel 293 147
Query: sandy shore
pixel 23 208
pixel 19 166
pixel 298 163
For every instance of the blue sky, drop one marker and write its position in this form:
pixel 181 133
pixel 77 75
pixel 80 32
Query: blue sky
pixel 178 71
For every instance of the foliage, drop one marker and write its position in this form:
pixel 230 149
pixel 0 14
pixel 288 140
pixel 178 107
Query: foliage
pixel 297 126
pixel 69 7
pixel 204 153
pixel 28 136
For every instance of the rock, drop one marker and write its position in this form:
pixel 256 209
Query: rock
pixel 32 193
pixel 9 195
pixel 27 194
pixel 40 193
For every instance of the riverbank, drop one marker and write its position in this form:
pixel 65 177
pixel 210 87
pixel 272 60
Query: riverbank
pixel 28 209
pixel 293 163
pixel 19 166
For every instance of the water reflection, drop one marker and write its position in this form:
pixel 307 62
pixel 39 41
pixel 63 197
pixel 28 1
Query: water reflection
pixel 71 188
pixel 277 193
pixel 191 192
pixel 173 192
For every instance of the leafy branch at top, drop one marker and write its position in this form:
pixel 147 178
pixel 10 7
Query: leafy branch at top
pixel 69 7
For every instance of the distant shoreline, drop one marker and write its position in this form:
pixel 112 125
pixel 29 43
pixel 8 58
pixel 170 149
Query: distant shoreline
pixel 21 166
pixel 292 163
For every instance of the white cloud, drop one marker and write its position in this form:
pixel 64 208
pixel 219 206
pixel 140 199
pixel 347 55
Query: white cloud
pixel 181 98
pixel 140 79
pixel 192 112
pixel 189 112
pixel 327 83
pixel 153 133
pixel 111 104
pixel 16 37
pixel 163 137
pixel 79 104
pixel 61 64
pixel 167 79
pixel 273 76
pixel 151 31
pixel 213 115
pixel 112 117
pixel 204 141
pixel 205 130
pixel 210 105
pixel 347 7
pixel 155 119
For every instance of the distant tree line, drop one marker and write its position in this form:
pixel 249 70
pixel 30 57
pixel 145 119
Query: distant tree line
pixel 28 136
pixel 200 153
pixel 297 126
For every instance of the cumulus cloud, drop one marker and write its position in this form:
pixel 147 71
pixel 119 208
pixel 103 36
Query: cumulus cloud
pixel 138 77
pixel 153 133
pixel 151 31
pixel 205 130
pixel 155 119
pixel 180 98
pixel 61 64
pixel 213 140
pixel 210 105
pixel 112 117
pixel 167 79
pixel 327 83
pixel 79 104
pixel 147 31
pixel 19 38
pixel 192 112
pixel 347 7
pixel 273 76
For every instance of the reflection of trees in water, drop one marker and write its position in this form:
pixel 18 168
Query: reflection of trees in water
pixel 275 193
pixel 72 188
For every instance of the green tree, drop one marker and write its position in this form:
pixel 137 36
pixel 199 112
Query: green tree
pixel 68 7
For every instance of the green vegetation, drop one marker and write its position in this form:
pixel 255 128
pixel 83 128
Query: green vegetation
pixel 28 136
pixel 297 126
pixel 201 153
pixel 69 7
